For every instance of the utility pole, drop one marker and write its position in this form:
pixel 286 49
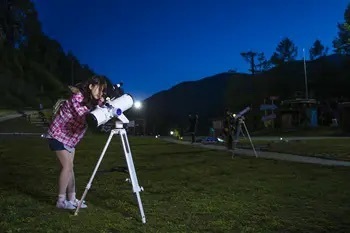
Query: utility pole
pixel 306 88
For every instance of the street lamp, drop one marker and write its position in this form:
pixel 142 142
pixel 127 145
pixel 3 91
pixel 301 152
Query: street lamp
pixel 138 104
pixel 306 88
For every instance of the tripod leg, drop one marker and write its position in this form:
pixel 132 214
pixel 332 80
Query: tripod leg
pixel 135 184
pixel 243 134
pixel 233 143
pixel 94 172
pixel 251 142
pixel 238 132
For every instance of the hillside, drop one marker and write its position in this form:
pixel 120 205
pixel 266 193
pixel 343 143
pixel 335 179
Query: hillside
pixel 327 77
pixel 34 68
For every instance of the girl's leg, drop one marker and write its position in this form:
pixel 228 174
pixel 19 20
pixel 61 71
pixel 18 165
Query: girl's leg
pixel 66 172
pixel 71 184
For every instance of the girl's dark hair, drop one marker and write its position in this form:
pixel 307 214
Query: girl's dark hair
pixel 89 101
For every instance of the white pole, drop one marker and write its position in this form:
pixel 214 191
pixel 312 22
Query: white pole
pixel 306 88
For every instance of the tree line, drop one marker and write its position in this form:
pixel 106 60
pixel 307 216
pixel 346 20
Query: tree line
pixel 34 68
pixel 287 51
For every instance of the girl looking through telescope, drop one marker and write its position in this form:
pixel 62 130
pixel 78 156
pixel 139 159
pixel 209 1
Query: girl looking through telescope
pixel 67 129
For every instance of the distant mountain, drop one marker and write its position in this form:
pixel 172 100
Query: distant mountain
pixel 206 97
pixel 209 97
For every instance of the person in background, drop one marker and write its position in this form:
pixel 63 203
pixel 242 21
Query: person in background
pixel 193 126
pixel 228 129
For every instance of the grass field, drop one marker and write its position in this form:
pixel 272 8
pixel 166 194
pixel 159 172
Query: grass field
pixel 187 189
pixel 338 149
pixel 317 131
pixel 328 148
pixel 4 112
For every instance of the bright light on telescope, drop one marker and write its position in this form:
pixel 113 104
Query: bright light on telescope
pixel 137 105
pixel 171 132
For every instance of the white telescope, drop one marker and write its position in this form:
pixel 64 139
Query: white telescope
pixel 241 113
pixel 112 108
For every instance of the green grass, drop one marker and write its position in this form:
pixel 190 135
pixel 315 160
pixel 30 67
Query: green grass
pixel 19 125
pixel 328 148
pixel 4 112
pixel 301 132
pixel 338 149
pixel 187 189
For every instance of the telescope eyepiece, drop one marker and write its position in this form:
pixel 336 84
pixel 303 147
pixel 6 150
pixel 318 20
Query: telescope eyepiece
pixel 91 120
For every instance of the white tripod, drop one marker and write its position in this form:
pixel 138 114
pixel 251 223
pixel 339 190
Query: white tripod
pixel 133 178
pixel 239 131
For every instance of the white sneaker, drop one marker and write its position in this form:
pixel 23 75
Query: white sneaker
pixel 65 205
pixel 75 203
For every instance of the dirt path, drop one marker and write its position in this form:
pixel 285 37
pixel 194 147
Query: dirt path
pixel 268 155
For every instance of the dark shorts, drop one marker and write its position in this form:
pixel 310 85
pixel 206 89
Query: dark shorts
pixel 56 145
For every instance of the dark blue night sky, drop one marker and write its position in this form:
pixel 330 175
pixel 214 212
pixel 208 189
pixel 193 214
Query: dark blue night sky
pixel 152 45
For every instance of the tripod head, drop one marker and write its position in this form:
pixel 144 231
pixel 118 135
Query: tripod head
pixel 235 118
pixel 119 124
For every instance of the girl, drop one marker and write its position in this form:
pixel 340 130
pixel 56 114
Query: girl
pixel 67 129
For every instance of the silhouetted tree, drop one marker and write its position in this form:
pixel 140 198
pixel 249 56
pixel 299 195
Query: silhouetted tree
pixel 9 23
pixel 250 58
pixel 263 63
pixel 234 70
pixel 286 51
pixel 342 43
pixel 33 66
pixel 18 21
pixel 317 50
